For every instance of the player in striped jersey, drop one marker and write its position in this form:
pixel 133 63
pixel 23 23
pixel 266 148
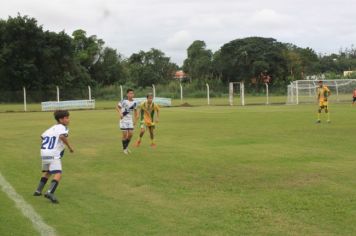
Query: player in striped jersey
pixel 127 110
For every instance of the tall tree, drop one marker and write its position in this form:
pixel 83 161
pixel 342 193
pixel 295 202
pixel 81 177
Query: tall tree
pixel 252 59
pixel 109 69
pixel 21 40
pixel 198 64
pixel 151 67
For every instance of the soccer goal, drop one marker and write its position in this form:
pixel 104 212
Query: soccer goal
pixel 236 88
pixel 304 91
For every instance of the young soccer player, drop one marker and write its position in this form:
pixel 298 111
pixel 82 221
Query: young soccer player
pixel 54 141
pixel 127 109
pixel 323 94
pixel 354 97
pixel 148 119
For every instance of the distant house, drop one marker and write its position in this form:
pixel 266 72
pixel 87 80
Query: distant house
pixel 180 74
pixel 349 72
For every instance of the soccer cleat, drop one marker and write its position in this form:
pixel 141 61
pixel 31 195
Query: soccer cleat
pixel 138 143
pixel 318 121
pixel 126 152
pixel 153 145
pixel 36 194
pixel 51 197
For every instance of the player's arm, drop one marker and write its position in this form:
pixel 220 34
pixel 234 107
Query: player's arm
pixel 65 141
pixel 157 116
pixel 118 109
pixel 157 113
pixel 141 113
pixel 328 93
pixel 135 116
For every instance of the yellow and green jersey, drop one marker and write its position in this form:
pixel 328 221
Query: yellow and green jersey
pixel 323 93
pixel 147 113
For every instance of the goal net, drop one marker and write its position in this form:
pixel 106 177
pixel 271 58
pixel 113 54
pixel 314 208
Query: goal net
pixel 236 89
pixel 304 91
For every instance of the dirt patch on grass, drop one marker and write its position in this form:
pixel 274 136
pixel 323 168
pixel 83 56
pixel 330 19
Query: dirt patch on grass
pixel 185 105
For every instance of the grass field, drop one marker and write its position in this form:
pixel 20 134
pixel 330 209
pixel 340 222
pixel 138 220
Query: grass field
pixel 255 170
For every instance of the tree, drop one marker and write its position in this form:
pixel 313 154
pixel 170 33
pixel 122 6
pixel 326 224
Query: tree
pixel 109 69
pixel 253 59
pixel 20 41
pixel 151 67
pixel 198 64
pixel 87 49
pixel 37 59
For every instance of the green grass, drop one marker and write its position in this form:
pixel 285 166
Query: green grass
pixel 257 170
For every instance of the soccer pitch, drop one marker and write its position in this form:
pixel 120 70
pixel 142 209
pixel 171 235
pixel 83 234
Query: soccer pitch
pixel 255 170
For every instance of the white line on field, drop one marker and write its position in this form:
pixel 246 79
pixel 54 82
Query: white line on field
pixel 26 209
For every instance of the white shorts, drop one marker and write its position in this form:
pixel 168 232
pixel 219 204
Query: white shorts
pixel 126 125
pixel 51 165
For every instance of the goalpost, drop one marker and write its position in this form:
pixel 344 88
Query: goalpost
pixel 304 91
pixel 239 87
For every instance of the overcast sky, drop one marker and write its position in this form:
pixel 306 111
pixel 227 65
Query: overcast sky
pixel 132 25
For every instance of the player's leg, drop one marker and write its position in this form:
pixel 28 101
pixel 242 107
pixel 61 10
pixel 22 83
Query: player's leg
pixel 124 128
pixel 55 169
pixel 42 183
pixel 319 113
pixel 44 178
pixel 124 138
pixel 129 128
pixel 142 132
pixel 129 136
pixel 152 136
pixel 327 113
pixel 55 181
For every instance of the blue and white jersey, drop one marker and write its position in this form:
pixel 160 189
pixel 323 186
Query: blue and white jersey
pixel 52 146
pixel 127 109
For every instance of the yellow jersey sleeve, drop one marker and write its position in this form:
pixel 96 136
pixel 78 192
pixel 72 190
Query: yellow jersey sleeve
pixel 142 106
pixel 156 107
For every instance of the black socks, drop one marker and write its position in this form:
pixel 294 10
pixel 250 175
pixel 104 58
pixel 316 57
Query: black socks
pixel 41 185
pixel 125 143
pixel 54 185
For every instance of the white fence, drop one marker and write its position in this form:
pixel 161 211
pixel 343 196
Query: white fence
pixel 164 102
pixel 68 105
pixel 234 94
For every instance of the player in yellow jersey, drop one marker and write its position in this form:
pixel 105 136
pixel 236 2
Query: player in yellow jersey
pixel 323 95
pixel 149 116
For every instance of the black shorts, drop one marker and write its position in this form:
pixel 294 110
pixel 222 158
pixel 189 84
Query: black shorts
pixel 354 99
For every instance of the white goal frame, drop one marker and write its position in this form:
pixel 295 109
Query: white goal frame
pixel 241 86
pixel 305 91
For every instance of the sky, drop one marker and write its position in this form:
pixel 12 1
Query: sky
pixel 171 26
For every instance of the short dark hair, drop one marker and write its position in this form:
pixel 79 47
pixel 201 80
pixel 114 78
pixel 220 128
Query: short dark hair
pixel 149 95
pixel 129 90
pixel 59 114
